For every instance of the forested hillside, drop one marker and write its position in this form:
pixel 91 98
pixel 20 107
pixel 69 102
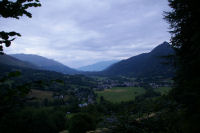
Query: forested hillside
pixel 150 64
pixel 45 63
pixel 11 61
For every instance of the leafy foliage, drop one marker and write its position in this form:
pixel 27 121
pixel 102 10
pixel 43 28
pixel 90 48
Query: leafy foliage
pixel 14 9
pixel 33 120
pixel 80 123
pixel 11 95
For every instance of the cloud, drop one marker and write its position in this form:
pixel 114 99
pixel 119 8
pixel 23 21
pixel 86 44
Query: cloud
pixel 81 32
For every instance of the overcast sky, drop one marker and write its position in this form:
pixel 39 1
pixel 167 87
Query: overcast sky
pixel 82 32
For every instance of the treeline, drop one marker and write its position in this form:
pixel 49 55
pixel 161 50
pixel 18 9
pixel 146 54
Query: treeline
pixel 48 78
pixel 26 115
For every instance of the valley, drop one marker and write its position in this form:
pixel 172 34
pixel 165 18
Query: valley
pixel 129 86
pixel 99 66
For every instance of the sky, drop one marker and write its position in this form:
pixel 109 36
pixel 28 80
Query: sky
pixel 82 32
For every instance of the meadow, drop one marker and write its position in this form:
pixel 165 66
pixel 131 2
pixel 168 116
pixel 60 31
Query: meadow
pixel 120 94
pixel 41 95
pixel 163 90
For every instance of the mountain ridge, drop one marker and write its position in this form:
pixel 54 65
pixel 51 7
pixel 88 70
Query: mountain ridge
pixel 45 64
pixel 145 64
pixel 11 61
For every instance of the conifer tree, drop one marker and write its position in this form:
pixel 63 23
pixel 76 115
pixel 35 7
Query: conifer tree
pixel 185 30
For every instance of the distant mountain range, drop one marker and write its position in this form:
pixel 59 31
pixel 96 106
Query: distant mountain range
pixel 144 65
pixel 43 63
pixel 99 66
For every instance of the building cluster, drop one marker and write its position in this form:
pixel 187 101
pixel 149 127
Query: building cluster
pixel 108 84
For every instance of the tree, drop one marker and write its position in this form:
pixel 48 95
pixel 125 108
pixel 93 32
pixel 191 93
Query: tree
pixel 184 22
pixel 80 123
pixel 12 95
pixel 14 9
pixel 33 120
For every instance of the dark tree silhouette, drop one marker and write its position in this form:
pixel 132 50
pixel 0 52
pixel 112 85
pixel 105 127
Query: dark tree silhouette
pixel 14 9
pixel 184 22
pixel 84 122
pixel 12 95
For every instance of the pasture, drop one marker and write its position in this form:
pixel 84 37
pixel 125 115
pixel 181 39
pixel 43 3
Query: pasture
pixel 120 94
pixel 41 95
pixel 163 90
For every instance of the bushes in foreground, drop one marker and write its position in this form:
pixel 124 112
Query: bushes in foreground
pixel 33 120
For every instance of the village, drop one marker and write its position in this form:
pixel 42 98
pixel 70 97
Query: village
pixel 109 83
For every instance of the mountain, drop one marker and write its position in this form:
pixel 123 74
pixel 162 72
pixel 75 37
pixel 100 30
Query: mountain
pixel 144 65
pixel 45 63
pixel 11 61
pixel 42 79
pixel 99 66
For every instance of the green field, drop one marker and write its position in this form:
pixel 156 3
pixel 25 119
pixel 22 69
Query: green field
pixel 120 94
pixel 41 95
pixel 163 90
